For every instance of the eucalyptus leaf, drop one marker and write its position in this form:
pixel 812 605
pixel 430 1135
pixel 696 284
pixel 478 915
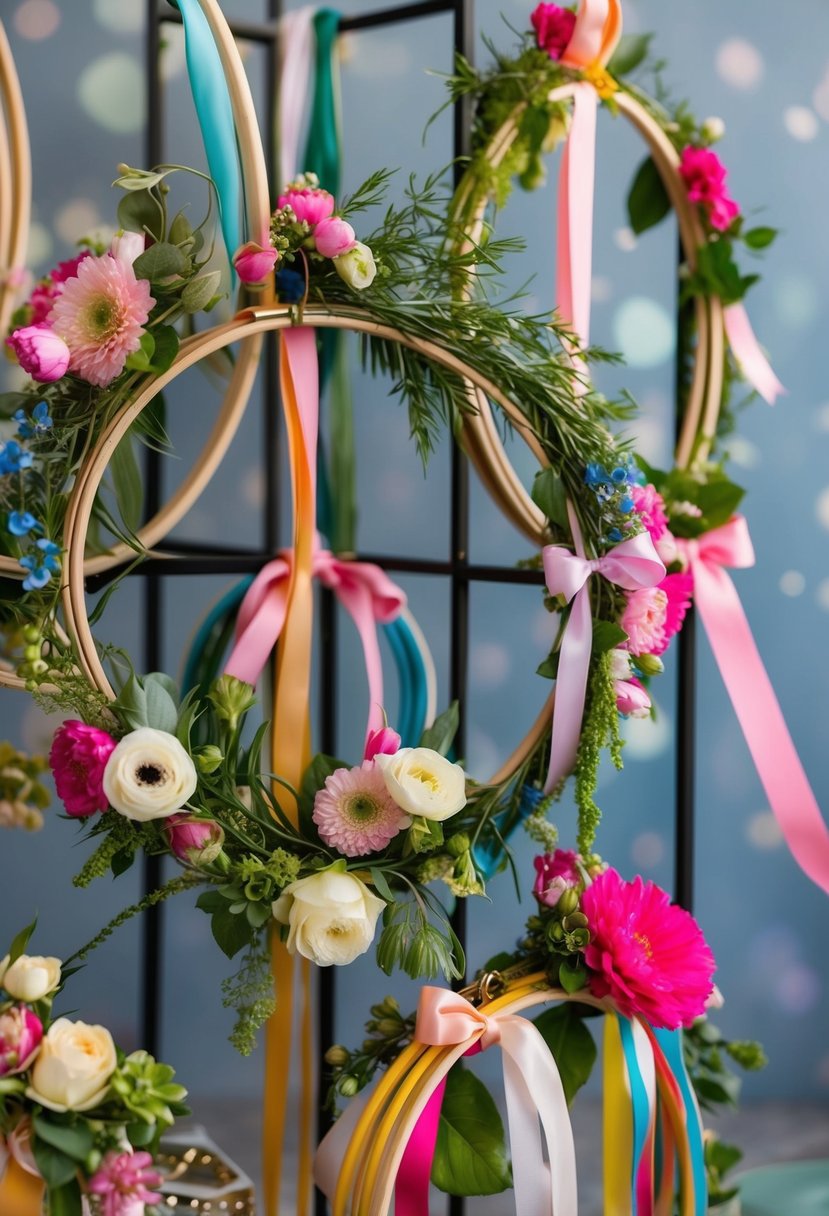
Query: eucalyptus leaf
pixel 441 734
pixel 548 668
pixel 200 291
pixel 56 1168
pixel 471 1151
pixel 648 201
pixel 571 1044
pixel 162 709
pixel 381 884
pixel 139 211
pixel 161 261
pixel 181 230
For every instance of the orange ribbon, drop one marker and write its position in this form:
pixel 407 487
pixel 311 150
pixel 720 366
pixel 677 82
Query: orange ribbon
pixel 21 1193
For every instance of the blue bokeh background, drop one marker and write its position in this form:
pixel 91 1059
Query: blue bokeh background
pixel 767 76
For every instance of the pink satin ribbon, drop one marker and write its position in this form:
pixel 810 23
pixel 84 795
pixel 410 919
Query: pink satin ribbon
pixel 755 704
pixel 633 565
pixel 536 1108
pixel 364 590
pixel 746 350
pixel 296 53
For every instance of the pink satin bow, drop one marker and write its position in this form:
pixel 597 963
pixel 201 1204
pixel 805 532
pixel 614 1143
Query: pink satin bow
pixel 536 1108
pixel 746 680
pixel 364 590
pixel 633 565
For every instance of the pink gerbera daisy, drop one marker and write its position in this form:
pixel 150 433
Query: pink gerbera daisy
pixel 647 955
pixel 100 314
pixel 355 813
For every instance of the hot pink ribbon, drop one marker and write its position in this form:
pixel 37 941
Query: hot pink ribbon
pixel 536 1108
pixel 364 590
pixel 755 704
pixel 746 350
pixel 633 565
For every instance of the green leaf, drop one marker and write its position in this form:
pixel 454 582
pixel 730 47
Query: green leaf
pixel 648 201
pixel 441 734
pixel 162 708
pixel 21 941
pixel 231 932
pixel 535 123
pixel 548 668
pixel 211 901
pixel 549 496
pixel 75 1140
pixel 718 500
pixel 181 230
pixel 141 1134
pixel 381 884
pixel 141 360
pixel 166 348
pixel 200 291
pixel 571 1044
pixel 127 483
pixel 66 1200
pixel 471 1152
pixel 719 272
pixel 138 211
pixel 161 261
pixel 607 635
pixel 759 238
pixel 56 1168
pixel 121 862
pixel 132 703
pixel 631 51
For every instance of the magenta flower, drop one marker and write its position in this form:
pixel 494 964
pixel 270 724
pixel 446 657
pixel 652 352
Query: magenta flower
pixel 632 698
pixel 47 290
pixel 383 742
pixel 555 872
pixel 333 236
pixel 40 352
pixel 194 841
pixel 123 1181
pixel 643 620
pixel 253 264
pixel 100 314
pixel 678 590
pixel 647 955
pixel 704 175
pixel 650 507
pixel 78 758
pixel 21 1033
pixel 553 28
pixel 354 812
pixel 309 206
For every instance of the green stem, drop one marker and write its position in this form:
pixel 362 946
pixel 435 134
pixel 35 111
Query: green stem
pixel 181 883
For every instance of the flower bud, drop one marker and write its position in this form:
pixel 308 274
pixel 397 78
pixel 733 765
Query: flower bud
pixel 32 633
pixel 337 1056
pixel 253 263
pixel 209 758
pixel 348 1086
pixel 231 699
pixel 40 352
pixel 650 664
pixel 388 1026
pixel 712 129
pixel 458 844
pixel 576 920
pixel 334 236
pixel 383 742
pixel 568 902
pixel 195 842
pixel 555 931
pixel 357 268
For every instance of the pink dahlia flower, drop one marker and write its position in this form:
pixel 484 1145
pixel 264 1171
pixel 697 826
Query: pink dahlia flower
pixel 40 352
pixel 704 175
pixel 643 620
pixel 21 1033
pixel 383 742
pixel 678 589
pixel 100 314
pixel 554 873
pixel 647 955
pixel 650 507
pixel 334 236
pixel 122 1183
pixel 354 812
pixel 553 27
pixel 308 205
pixel 78 758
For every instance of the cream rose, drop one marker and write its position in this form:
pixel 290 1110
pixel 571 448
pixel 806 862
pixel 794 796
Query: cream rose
pixel 332 917
pixel 422 782
pixel 30 977
pixel 149 775
pixel 357 267
pixel 74 1067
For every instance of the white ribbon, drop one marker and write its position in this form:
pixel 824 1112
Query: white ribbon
pixel 296 57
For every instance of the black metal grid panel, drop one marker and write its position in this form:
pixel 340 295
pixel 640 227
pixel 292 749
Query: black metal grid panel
pixel 181 559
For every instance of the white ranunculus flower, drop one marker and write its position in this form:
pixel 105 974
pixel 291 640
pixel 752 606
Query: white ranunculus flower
pixel 357 267
pixel 149 775
pixel 332 917
pixel 30 977
pixel 422 782
pixel 74 1067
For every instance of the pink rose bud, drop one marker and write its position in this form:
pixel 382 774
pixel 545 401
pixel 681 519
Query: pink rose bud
pixel 383 742
pixel 632 699
pixel 195 842
pixel 334 236
pixel 40 352
pixel 308 205
pixel 21 1033
pixel 127 246
pixel 253 263
pixel 555 872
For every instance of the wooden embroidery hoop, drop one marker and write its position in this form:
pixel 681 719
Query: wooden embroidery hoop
pixel 16 171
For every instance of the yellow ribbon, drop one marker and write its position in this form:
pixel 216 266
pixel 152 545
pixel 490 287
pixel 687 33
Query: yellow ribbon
pixel 21 1194
pixel 618 1124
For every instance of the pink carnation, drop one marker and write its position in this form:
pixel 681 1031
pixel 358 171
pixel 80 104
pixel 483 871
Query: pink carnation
pixel 643 620
pixel 354 812
pixel 555 872
pixel 650 507
pixel 704 175
pixel 678 588
pixel 78 758
pixel 100 314
pixel 553 28
pixel 308 205
pixel 122 1183
pixel 647 955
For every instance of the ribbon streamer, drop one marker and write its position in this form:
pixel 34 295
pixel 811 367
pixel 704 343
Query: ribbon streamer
pixel 296 57
pixel 746 350
pixel 633 565
pixel 758 711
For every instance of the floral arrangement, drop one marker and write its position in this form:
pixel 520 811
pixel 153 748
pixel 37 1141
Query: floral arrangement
pixel 75 1111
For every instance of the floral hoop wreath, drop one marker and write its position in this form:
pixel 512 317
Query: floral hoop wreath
pixel 16 176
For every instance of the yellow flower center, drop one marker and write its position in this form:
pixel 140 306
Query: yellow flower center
pixel 644 942
pixel 426 777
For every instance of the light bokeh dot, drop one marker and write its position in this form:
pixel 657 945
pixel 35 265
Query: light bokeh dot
pixel 173 55
pixel 822 594
pixel 801 123
pixel 743 452
pixel 822 417
pixel 647 850
pixel 122 16
pixel 253 488
pixel 396 489
pixel 644 332
pixel 740 64
pixel 40 245
pixel 601 289
pixel 763 831
pixel 371 61
pixel 625 239
pixel 822 508
pixel 489 665
pixel 76 219
pixel 646 738
pixel 797 301
pixel 37 19
pixel 792 583
pixel 820 97
pixel 111 91
pixel 797 988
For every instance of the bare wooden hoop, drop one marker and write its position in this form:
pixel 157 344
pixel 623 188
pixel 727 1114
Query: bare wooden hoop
pixel 705 393
pixel 15 180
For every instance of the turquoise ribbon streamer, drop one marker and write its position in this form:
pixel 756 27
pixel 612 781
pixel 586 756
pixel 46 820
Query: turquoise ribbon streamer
pixel 491 856
pixel 671 1043
pixel 215 115
pixel 322 148
pixel 639 1103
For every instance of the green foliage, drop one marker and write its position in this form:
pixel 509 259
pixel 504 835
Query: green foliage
pixel 411 942
pixel 600 729
pixel 471 1152
pixel 20 942
pixel 250 992
pixel 550 496
pixel 441 734
pixel 571 1044
pixel 146 1089
pixel 648 202
pixel 631 52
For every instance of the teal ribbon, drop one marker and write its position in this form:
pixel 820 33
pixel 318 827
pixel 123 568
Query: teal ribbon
pixel 323 147
pixel 671 1043
pixel 639 1102
pixel 215 115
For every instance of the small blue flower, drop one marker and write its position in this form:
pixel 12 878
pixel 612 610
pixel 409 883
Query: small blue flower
pixel 21 523
pixel 596 475
pixel 39 574
pixel 620 475
pixel 40 421
pixel 51 554
pixel 290 286
pixel 13 457
pixel 614 534
pixel 626 505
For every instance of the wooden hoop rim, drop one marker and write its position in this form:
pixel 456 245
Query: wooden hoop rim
pixel 15 178
pixel 705 394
